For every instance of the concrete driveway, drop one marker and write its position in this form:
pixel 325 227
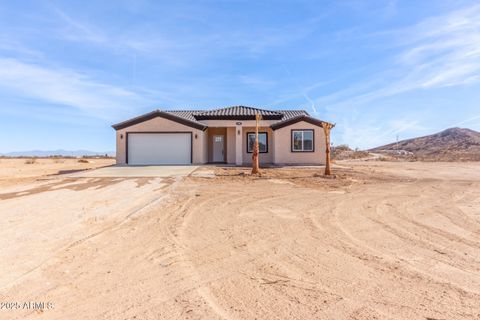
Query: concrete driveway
pixel 135 172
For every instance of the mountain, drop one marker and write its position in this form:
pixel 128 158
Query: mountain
pixel 60 152
pixel 454 144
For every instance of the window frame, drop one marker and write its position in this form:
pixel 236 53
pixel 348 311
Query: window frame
pixel 259 132
pixel 302 130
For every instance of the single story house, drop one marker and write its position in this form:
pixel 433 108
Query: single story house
pixel 223 135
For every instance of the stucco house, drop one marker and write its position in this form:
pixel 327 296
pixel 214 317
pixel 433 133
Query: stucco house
pixel 223 135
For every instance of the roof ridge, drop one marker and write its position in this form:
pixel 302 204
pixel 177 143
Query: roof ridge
pixel 237 109
pixel 183 110
pixel 230 107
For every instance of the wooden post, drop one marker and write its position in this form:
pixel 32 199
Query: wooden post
pixel 327 127
pixel 255 165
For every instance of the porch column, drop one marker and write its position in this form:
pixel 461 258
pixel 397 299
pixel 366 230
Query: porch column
pixel 238 144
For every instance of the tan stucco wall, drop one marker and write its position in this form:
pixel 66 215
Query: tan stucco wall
pixel 205 146
pixel 213 132
pixel 158 124
pixel 283 153
pixel 231 145
pixel 263 157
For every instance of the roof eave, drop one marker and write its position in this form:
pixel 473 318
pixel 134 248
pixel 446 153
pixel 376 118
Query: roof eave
pixel 158 113
pixel 286 123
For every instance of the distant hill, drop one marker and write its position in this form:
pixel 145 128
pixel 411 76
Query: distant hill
pixel 60 152
pixel 454 144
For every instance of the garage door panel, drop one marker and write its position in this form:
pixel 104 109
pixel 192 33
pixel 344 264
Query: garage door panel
pixel 159 148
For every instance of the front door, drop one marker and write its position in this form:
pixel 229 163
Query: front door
pixel 218 148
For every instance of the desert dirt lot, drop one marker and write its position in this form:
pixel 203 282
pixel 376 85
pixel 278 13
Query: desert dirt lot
pixel 14 171
pixel 382 241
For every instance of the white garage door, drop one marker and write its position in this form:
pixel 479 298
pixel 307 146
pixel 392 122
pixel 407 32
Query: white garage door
pixel 159 148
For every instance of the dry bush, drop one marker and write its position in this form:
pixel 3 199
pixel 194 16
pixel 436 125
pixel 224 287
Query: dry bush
pixel 30 161
pixel 344 152
pixel 342 148
pixel 83 161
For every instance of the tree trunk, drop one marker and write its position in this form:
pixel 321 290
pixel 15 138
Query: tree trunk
pixel 255 165
pixel 326 129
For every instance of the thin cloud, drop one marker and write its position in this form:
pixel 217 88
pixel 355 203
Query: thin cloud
pixel 66 87
pixel 441 51
pixel 75 30
pixel 469 121
pixel 206 42
pixel 437 52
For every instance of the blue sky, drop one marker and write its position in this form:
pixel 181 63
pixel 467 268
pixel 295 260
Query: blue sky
pixel 70 69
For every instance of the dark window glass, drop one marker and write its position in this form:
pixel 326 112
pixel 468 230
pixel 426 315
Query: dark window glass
pixel 307 140
pixel 302 140
pixel 297 141
pixel 262 142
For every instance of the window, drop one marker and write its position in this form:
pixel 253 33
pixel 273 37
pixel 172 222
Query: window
pixel 262 142
pixel 302 140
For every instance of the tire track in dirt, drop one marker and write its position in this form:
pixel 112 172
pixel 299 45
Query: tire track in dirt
pixel 331 232
pixel 433 241
pixel 246 248
pixel 260 201
pixel 106 226
pixel 217 204
pixel 380 260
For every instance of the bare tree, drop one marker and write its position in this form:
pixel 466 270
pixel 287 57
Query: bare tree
pixel 255 165
pixel 327 127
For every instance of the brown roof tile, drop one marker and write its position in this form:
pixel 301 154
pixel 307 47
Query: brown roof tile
pixel 238 113
pixel 193 117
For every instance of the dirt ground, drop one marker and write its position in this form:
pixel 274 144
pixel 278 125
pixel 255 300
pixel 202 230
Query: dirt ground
pixel 14 171
pixel 380 241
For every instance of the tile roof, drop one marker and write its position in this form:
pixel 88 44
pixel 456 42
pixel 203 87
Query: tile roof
pixel 236 111
pixel 162 114
pixel 186 114
pixel 295 119
pixel 193 117
pixel 287 114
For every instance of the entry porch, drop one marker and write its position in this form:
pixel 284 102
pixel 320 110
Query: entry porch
pixel 234 145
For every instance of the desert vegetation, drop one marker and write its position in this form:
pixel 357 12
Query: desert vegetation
pixel 344 152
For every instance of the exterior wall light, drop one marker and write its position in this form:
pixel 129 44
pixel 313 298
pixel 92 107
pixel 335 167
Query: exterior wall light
pixel 238 132
pixel 196 136
pixel 121 136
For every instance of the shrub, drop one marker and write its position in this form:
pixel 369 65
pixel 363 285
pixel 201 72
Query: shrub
pixel 342 147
